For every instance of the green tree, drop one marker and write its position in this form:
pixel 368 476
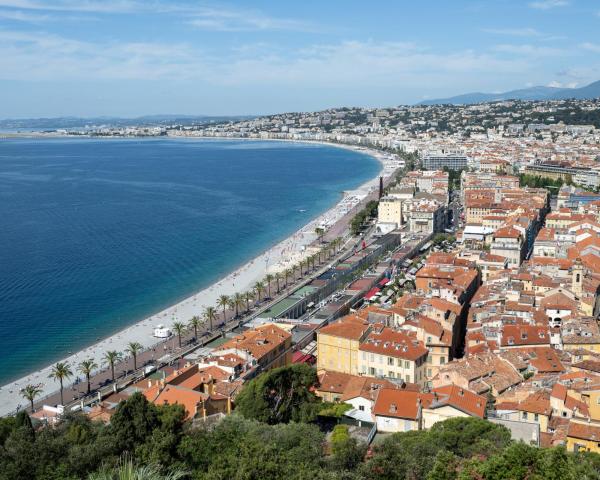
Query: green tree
pixel 112 357
pixel 210 313
pixel 238 301
pixel 134 348
pixel 127 470
pixel 86 367
pixel 223 302
pixel 259 288
pixel 61 372
pixel 280 395
pixel 268 280
pixel 30 392
pixel 179 329
pixel 195 323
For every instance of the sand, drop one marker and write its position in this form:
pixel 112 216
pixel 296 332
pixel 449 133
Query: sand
pixel 278 258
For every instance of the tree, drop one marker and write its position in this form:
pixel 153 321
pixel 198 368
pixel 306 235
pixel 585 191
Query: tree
pixel 287 273
pixel 259 287
pixel 178 328
pixel 280 395
pixel 223 302
pixel 247 297
pixel 319 232
pixel 278 279
pixel 238 301
pixel 30 392
pixel 210 313
pixel 268 280
pixel 133 348
pixel 127 470
pixel 195 323
pixel 87 367
pixel 133 422
pixel 61 371
pixel 112 357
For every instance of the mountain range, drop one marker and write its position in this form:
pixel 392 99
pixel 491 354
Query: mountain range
pixel 533 93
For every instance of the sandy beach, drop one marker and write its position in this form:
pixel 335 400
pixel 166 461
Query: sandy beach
pixel 278 258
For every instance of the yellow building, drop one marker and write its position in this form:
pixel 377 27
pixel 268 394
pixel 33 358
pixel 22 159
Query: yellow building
pixel 390 211
pixel 583 436
pixel 337 344
pixel 391 354
pixel 592 398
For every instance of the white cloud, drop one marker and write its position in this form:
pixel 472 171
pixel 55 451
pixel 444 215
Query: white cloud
pixel 91 6
pixel 46 57
pixel 514 32
pixel 591 47
pixel 548 4
pixel 556 84
pixel 229 20
pixel 24 16
pixel 532 50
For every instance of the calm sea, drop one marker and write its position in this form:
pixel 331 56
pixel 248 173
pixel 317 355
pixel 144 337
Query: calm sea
pixel 98 234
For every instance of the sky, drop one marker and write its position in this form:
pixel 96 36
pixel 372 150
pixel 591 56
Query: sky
pixel 140 57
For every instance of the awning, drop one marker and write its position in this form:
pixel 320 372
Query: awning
pixel 371 293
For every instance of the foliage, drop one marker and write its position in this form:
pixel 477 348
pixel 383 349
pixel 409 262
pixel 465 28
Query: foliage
pixel 538 181
pixel 357 223
pixel 154 442
pixel 337 410
pixel 280 395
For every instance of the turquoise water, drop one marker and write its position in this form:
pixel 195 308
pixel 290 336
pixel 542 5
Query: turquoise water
pixel 98 234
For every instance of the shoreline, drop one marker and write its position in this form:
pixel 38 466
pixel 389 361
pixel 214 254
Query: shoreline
pixel 279 256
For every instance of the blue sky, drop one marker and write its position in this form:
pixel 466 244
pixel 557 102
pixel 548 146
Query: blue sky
pixel 137 57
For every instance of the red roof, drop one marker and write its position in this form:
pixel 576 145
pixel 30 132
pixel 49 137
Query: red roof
pixel 371 293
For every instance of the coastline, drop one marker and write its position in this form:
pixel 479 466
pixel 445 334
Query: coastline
pixel 276 258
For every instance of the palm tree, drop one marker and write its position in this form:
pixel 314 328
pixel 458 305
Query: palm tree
pixel 210 313
pixel 259 287
pixel 87 367
pixel 320 232
pixel 29 392
pixel 286 274
pixel 277 279
pixel 303 263
pixel 179 328
pixel 195 323
pixel 111 357
pixel 295 267
pixel 268 280
pixel 223 301
pixel 126 470
pixel 238 301
pixel 133 349
pixel 61 371
pixel 249 295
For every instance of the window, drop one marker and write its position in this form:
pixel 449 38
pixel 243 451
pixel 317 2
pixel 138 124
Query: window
pixel 372 357
pixel 390 361
pixel 361 408
pixel 408 379
pixel 442 360
pixel 406 364
pixel 364 355
pixel 371 371
pixel 524 415
pixel 536 417
pixel 429 372
pixel 391 374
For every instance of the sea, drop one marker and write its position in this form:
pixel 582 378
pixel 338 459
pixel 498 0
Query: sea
pixel 97 234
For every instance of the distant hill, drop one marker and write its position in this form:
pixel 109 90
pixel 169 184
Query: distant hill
pixel 78 122
pixel 534 93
